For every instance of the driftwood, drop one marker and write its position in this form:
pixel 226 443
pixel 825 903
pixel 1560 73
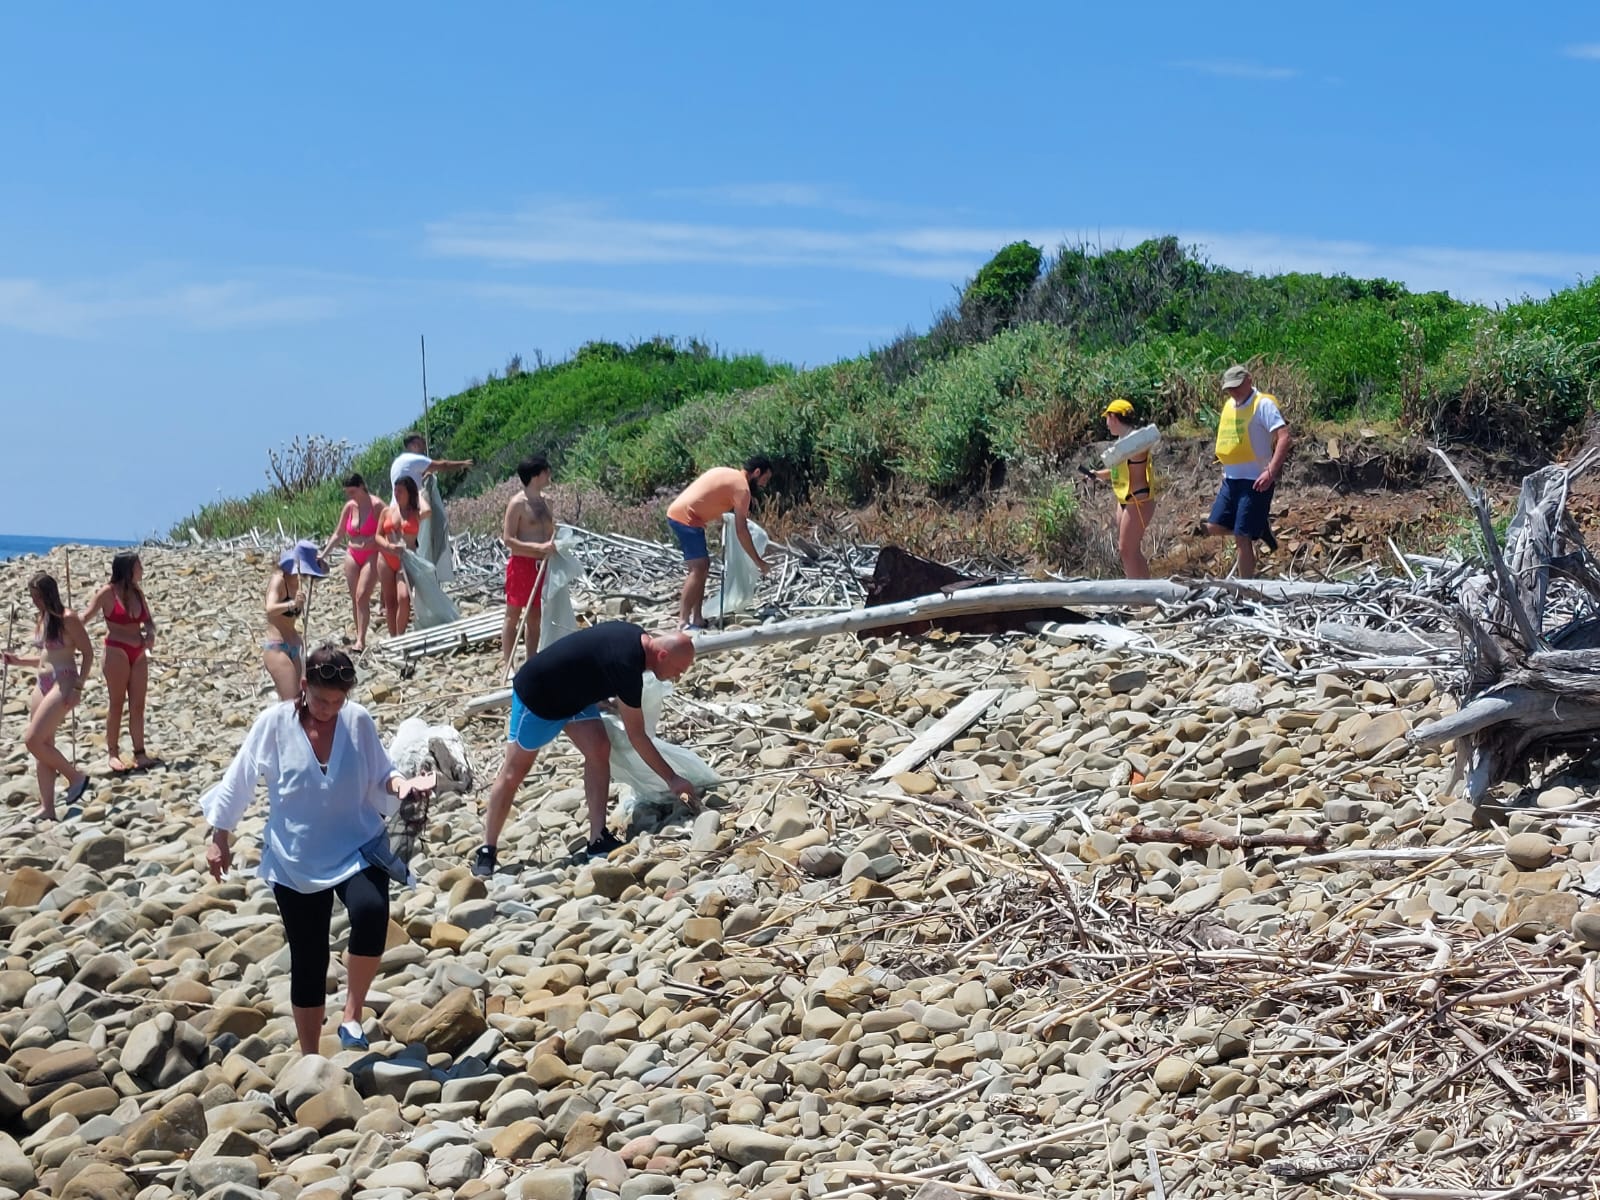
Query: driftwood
pixel 1200 839
pixel 1529 631
pixel 942 731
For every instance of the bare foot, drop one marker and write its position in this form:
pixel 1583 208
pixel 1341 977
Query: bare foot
pixel 143 760
pixel 47 812
pixel 121 765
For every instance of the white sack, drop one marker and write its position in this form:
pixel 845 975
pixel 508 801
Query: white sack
pixel 740 575
pixel 629 771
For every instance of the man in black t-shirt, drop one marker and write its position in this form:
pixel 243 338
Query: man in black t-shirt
pixel 562 687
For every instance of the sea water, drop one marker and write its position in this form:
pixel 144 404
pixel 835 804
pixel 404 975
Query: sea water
pixel 14 545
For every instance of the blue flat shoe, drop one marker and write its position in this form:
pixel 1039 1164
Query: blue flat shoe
pixel 352 1041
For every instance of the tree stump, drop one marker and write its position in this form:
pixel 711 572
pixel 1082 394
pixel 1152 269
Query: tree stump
pixel 1530 639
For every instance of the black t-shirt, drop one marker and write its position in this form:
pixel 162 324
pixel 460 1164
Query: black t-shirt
pixel 584 668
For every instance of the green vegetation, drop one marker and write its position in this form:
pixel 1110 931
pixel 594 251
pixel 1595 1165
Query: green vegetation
pixel 1007 384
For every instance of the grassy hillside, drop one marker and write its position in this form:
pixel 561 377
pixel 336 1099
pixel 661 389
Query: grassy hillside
pixel 495 423
pixel 1007 384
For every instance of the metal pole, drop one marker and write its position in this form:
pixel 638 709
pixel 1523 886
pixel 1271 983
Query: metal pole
pixel 423 341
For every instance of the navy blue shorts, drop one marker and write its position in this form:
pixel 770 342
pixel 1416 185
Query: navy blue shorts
pixel 1241 508
pixel 691 540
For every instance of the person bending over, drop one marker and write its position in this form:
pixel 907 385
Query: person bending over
pixel 329 788
pixel 561 688
pixel 718 491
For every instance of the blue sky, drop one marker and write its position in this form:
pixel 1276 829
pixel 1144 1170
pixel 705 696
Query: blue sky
pixel 224 226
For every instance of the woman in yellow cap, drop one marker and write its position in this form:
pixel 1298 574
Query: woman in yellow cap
pixel 1133 482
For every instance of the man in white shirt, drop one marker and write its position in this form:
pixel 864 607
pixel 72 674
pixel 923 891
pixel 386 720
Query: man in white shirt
pixel 1253 442
pixel 415 463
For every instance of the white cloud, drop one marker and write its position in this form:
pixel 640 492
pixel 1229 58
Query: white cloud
pixel 1588 50
pixel 1232 69
pixel 762 195
pixel 594 300
pixel 572 233
pixel 82 309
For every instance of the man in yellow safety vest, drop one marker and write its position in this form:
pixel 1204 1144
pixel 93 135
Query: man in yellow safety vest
pixel 1253 442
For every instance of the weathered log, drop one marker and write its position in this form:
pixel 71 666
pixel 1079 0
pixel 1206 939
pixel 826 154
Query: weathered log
pixel 1533 676
pixel 1200 839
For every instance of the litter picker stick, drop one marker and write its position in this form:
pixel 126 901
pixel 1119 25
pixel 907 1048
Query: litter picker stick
pixel 5 670
pixel 305 631
pixel 516 634
pixel 66 556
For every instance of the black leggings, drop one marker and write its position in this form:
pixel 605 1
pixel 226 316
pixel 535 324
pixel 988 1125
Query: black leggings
pixel 307 917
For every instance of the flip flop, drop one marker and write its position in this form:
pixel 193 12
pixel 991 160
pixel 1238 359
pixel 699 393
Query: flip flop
pixel 76 791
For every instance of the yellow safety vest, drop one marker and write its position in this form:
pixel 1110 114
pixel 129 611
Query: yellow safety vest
pixel 1122 479
pixel 1233 432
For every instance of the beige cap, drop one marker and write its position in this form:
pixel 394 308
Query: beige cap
pixel 1234 376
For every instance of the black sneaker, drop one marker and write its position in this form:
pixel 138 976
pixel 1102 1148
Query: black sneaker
pixel 1267 540
pixel 603 845
pixel 484 862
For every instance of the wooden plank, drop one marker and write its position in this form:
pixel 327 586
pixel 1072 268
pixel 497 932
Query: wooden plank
pixel 935 737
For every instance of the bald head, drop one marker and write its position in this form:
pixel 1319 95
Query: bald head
pixel 669 655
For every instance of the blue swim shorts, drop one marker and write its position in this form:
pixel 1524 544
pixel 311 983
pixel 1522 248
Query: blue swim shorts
pixel 1241 508
pixel 691 541
pixel 532 732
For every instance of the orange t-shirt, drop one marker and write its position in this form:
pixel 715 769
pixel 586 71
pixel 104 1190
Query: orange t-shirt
pixel 720 490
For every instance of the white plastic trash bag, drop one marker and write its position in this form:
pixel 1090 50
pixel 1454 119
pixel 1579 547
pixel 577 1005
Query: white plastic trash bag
pixel 628 770
pixel 561 571
pixel 433 538
pixel 1129 444
pixel 740 575
pixel 411 748
pixel 429 605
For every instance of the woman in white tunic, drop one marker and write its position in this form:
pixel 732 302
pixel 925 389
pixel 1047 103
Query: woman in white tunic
pixel 329 787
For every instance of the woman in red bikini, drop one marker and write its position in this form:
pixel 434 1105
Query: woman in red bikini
pixel 358 524
pixel 397 531
pixel 130 631
pixel 64 658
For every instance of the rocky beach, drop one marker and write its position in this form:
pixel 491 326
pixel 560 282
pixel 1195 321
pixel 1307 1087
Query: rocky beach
pixel 1190 916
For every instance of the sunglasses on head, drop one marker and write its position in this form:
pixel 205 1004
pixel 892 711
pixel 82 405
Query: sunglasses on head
pixel 331 672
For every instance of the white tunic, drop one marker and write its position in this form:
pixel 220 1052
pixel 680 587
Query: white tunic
pixel 318 819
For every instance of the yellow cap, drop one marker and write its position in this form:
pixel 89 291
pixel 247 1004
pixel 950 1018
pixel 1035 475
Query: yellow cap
pixel 1122 408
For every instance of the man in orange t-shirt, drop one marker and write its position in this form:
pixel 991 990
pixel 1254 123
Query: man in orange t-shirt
pixel 720 490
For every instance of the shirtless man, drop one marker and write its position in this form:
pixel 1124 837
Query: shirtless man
pixel 529 533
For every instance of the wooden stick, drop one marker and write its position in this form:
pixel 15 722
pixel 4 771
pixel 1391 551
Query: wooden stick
pixel 66 556
pixel 1591 1089
pixel 966 1189
pixel 934 738
pixel 5 670
pixel 1199 838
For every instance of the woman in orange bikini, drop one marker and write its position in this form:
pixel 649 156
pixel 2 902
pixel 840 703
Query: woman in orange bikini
pixel 64 658
pixel 358 524
pixel 397 531
pixel 130 631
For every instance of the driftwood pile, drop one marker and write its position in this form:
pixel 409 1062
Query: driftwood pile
pixel 1531 639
